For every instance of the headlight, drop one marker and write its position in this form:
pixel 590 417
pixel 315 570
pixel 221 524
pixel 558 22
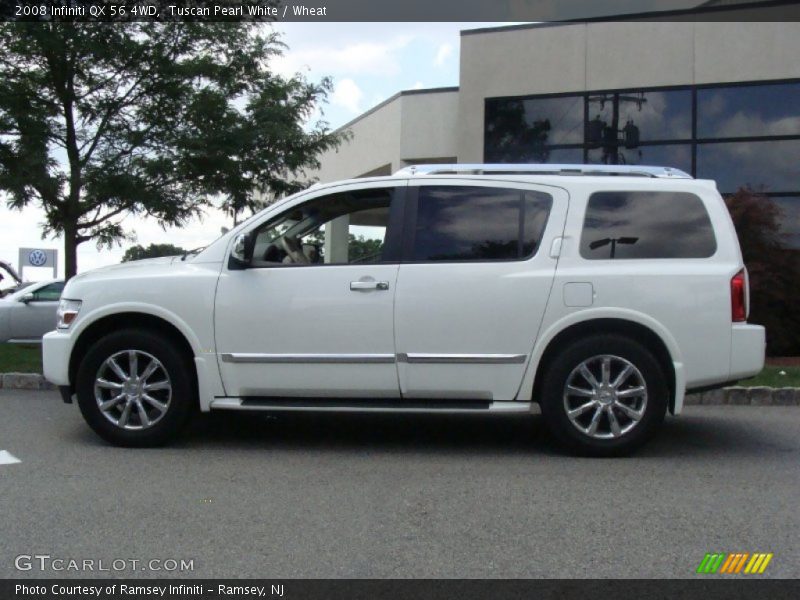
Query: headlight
pixel 67 311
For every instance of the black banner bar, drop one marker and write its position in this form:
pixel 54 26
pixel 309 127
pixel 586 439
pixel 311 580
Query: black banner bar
pixel 394 10
pixel 705 587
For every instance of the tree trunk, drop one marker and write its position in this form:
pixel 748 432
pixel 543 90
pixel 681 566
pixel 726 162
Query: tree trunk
pixel 70 251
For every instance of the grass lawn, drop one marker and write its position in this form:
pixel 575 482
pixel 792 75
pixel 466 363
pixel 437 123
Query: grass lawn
pixel 770 377
pixel 19 358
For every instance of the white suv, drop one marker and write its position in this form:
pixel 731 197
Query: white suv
pixel 602 293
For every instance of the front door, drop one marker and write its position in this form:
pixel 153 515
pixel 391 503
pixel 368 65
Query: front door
pixel 313 314
pixel 474 284
pixel 36 315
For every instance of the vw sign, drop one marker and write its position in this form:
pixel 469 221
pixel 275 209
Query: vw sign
pixel 38 257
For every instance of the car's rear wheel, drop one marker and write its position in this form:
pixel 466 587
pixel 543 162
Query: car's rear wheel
pixel 134 388
pixel 604 395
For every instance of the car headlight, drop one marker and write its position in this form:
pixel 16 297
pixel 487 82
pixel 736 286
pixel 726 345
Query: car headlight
pixel 67 312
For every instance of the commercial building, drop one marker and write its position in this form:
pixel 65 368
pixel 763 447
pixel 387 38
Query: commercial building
pixel 719 100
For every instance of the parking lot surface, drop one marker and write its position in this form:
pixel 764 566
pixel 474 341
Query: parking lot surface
pixel 385 496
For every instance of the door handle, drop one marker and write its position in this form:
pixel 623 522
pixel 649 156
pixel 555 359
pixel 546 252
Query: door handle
pixel 358 286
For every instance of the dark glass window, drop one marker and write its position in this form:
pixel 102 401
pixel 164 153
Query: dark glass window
pixel 678 156
pixel 478 223
pixel 566 156
pixel 344 228
pixel 652 115
pixel 49 293
pixel 768 166
pixel 740 135
pixel 521 130
pixel 625 225
pixel 752 110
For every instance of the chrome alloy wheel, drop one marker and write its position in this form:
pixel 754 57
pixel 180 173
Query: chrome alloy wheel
pixel 132 389
pixel 605 397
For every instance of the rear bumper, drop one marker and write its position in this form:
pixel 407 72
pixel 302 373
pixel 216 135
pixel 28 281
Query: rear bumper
pixel 748 347
pixel 56 348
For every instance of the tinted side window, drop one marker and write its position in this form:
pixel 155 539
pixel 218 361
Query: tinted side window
pixel 49 293
pixel 478 223
pixel 344 228
pixel 646 225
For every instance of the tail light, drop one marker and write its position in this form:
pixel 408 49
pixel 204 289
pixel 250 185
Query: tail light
pixel 739 297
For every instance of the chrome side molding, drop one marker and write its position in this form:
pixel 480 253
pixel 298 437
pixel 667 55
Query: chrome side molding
pixel 469 359
pixel 347 359
pixel 358 359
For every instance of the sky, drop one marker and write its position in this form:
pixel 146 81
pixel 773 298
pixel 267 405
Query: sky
pixel 368 62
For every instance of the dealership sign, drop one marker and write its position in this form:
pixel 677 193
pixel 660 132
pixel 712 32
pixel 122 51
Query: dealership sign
pixel 38 257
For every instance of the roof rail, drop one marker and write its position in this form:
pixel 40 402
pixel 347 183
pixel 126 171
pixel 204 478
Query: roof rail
pixel 545 169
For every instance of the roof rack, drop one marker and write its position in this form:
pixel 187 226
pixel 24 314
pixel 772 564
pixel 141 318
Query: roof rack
pixel 545 169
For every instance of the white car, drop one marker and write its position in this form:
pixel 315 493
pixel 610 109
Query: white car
pixel 602 293
pixel 30 312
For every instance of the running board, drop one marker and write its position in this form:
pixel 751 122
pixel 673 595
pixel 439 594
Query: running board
pixel 361 405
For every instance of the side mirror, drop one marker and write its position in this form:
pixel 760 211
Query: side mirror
pixel 242 252
pixel 29 297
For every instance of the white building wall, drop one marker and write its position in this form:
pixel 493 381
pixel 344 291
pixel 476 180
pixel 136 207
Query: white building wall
pixel 746 51
pixel 374 143
pixel 429 126
pixel 411 126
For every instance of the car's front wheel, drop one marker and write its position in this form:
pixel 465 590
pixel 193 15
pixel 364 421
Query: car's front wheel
pixel 134 388
pixel 604 395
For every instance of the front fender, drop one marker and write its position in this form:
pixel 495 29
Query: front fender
pixel 109 310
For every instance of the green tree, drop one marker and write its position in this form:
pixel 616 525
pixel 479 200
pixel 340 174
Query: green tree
pixel 138 252
pixel 158 120
pixel 773 269
pixel 363 249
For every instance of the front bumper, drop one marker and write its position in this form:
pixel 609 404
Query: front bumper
pixel 56 350
pixel 748 348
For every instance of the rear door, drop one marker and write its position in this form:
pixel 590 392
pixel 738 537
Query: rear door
pixel 473 286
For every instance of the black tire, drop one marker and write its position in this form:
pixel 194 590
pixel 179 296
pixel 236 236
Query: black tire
pixel 652 407
pixel 177 368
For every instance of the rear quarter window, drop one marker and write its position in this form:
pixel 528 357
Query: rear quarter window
pixel 631 225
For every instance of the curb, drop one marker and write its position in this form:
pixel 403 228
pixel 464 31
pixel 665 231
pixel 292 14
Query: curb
pixel 24 381
pixel 742 396
pixel 737 396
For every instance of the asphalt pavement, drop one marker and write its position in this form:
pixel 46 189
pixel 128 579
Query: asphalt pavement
pixel 325 495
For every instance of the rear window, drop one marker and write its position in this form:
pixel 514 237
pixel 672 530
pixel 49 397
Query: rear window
pixel 628 225
pixel 466 223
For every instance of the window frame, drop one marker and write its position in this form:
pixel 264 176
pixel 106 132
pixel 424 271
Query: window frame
pixel 394 227
pixel 411 212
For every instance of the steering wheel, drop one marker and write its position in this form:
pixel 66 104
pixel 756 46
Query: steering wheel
pixel 293 248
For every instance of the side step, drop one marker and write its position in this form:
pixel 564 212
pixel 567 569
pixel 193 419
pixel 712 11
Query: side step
pixel 367 405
